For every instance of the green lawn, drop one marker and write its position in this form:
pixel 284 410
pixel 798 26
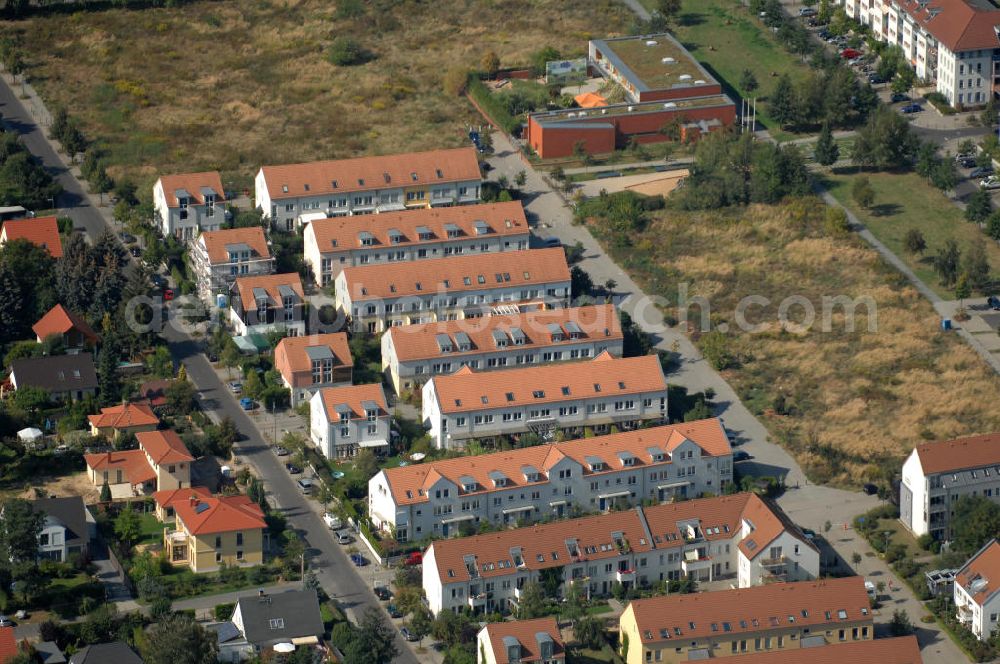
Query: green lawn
pixel 908 201
pixel 151 529
pixel 588 656
pixel 723 36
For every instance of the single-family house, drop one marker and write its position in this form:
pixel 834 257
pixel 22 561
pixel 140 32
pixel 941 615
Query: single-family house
pixel 128 418
pixel 65 377
pixel 308 364
pixel 167 499
pixel 187 203
pixel 67 529
pixel 211 531
pixel 76 335
pixel 162 462
pixel 116 652
pixel 263 620
pixel 40 231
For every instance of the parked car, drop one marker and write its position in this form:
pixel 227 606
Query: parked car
pixel 966 162
pixel 850 53
pixel 414 558
pixel 157 280
pixel 871 590
pixel 235 387
pixel 394 611
pixel 993 302
pixel 899 96
pixel 281 451
pixel 823 34
pixel 982 171
pixel 407 634
pixel 870 489
pixel 305 485
pixel 807 11
pixel 809 534
pixel 292 468
pixel 135 251
pixel 382 593
pixel 246 403
pixel 344 537
pixel 875 79
pixel 358 560
pixel 127 238
pixel 911 108
pixel 332 521
pixel 990 183
pixel 741 455
pixel 5 621
pixel 168 294
pixel 551 242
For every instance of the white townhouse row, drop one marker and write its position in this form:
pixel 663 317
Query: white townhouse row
pixel 343 420
pixel 569 396
pixel 936 475
pixel 413 354
pixel 331 244
pixel 218 258
pixel 188 203
pixel 741 536
pixel 293 194
pixel 377 297
pixel 445 497
pixel 976 592
pixel 950 43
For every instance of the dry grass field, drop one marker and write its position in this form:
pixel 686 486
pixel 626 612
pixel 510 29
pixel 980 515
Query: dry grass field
pixel 231 84
pixel 842 402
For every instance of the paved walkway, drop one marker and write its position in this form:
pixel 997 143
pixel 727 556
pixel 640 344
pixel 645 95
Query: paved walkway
pixel 670 164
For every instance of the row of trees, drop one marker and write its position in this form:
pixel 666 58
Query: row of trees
pixel 23 179
pixel 832 95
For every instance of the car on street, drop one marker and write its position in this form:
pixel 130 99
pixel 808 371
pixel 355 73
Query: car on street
pixel 281 451
pixel 993 302
pixel 899 96
pixel 344 537
pixel 911 108
pixel 869 489
pixel 741 455
pixel 990 183
pixel 407 634
pixel 235 387
pixel 358 560
pixel 807 11
pixel 5 621
pixel 982 171
pixel 394 611
pixel 871 590
pixel 382 593
pixel 246 403
pixel 332 521
pixel 305 485
pixel 875 79
pixel 292 468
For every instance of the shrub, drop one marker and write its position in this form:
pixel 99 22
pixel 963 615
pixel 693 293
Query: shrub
pixel 224 611
pixel 345 52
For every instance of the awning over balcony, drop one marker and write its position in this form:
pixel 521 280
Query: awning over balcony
pixel 672 485
pixel 616 494
pixel 557 503
pixel 456 519
pixel 524 508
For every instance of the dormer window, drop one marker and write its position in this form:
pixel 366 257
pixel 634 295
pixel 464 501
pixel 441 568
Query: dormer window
pixel 306 187
pixel 387 178
pixel 413 176
pixel 333 183
pixel 284 188
pixel 538 394
pixel 439 173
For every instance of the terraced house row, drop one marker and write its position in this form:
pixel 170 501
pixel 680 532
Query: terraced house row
pixel 742 537
pixel 552 481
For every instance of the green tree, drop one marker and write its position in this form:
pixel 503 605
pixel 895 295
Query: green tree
pixel 946 262
pixel 420 622
pixel 903 81
pixel 862 192
pixel 230 356
pixel 101 182
pixel 900 624
pixel 914 241
pixel 962 288
pixel 178 639
pixel 252 385
pixel 927 159
pixel 366 463
pixel 979 208
pixel 573 606
pixel 589 631
pixel 668 9
pixel 886 142
pixel 128 527
pixel 180 396
pixel 521 178
pixel 19 530
pixel 782 102
pixel 490 63
pixel 976 267
pixel 826 151
pixel 160 364
pixel 105 493
pixel 345 51
pixel 748 82
pixel 976 521
pixel 541 57
pixel 373 641
pixel 532 602
pixel 944 176
pixel 992 226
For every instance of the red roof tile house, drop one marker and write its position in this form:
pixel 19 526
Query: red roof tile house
pixel 189 202
pixel 41 231
pixel 308 364
pixel 514 642
pixel 122 420
pixel 162 462
pixel 977 591
pixel 265 303
pixel 167 500
pixel 8 645
pixel 342 420
pixel 214 530
pixel 219 257
pixel 74 331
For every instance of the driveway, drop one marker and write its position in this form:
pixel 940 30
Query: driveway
pixel 341 580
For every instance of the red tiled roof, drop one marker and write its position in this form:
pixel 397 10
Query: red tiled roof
pixel 409 484
pixel 760 608
pixel 604 376
pixel 984 567
pixel 164 446
pixel 169 497
pixel 133 464
pixel 899 650
pixel 221 514
pixel 59 320
pixel 8 645
pixel 365 173
pixel 353 396
pixel 124 416
pixel 960 25
pixel 958 454
pixel 417 342
pixel 524 631
pixel 342 233
pixel 42 231
pixel 290 355
pixel 270 283
pixel 216 241
pixel 455 274
pixel 154 391
pixel 192 184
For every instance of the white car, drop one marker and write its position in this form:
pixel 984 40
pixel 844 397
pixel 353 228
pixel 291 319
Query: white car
pixel 990 183
pixel 332 521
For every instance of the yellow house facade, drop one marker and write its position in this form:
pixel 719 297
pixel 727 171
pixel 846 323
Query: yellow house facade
pixel 776 617
pixel 210 531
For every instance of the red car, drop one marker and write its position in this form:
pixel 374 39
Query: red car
pixel 168 294
pixel 414 558
pixel 850 54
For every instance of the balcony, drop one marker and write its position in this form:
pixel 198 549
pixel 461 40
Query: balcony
pixel 625 576
pixel 518 592
pixel 477 601
pixel 774 562
pixel 696 564
pixel 964 615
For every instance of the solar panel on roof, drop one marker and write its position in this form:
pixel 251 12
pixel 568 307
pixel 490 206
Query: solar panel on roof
pixel 200 507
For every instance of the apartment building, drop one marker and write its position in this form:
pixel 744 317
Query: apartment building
pixel 268 302
pixel 730 623
pixel 443 498
pixel 413 354
pixel 739 536
pixel 210 531
pixel 976 596
pixel 297 193
pixel 343 420
pixel 331 244
pixel 187 203
pixel 308 364
pixel 898 650
pixel 952 44
pixel 377 297
pixel 604 392
pixel 936 475
pixel 218 258
pixel 517 641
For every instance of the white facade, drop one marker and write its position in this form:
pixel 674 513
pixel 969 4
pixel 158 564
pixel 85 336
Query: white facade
pixel 217 278
pixel 294 326
pixel 190 216
pixel 977 592
pixel 339 437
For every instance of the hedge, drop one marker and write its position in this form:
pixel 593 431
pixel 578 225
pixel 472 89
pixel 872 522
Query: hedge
pixel 492 105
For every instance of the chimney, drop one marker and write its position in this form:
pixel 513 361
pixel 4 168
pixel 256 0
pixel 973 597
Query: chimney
pixel 193 500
